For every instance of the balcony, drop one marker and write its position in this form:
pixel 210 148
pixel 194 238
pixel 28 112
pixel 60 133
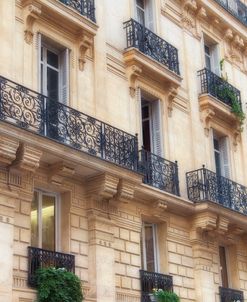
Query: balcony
pixel 36 113
pixel 150 55
pixel 39 258
pixel 83 7
pixel 150 280
pixel 236 8
pixel 231 295
pixel 159 172
pixel 219 97
pixel 205 185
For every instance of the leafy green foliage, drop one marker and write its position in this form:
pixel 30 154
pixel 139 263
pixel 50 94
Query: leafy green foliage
pixel 58 285
pixel 165 296
pixel 226 93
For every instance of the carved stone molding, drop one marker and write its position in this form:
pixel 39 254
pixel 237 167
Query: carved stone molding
pixel 8 149
pixel 189 8
pixel 27 159
pixel 32 11
pixel 206 116
pixel 85 43
pixel 234 48
pixel 59 171
pixel 133 73
pixel 172 93
pixel 102 186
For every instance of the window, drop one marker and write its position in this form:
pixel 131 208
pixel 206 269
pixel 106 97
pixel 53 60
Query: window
pixel 151 126
pixel 144 13
pixel 223 267
pixel 211 55
pixel 53 70
pixel 149 247
pixel 44 220
pixel 221 155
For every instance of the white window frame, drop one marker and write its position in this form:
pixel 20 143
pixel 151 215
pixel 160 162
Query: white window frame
pixel 156 248
pixel 57 217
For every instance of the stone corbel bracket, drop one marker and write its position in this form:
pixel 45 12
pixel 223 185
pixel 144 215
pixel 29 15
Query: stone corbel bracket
pixel 27 159
pixel 133 72
pixel 125 191
pixel 8 149
pixel 59 171
pixel 172 93
pixel 159 208
pixel 32 12
pixel 102 186
pixel 85 43
pixel 206 117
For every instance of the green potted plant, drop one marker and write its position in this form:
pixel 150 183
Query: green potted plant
pixel 58 285
pixel 160 295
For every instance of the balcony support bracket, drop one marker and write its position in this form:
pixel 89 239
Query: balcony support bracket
pixel 32 12
pixel 85 43
pixel 133 73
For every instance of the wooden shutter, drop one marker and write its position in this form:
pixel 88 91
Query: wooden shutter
pixel 139 111
pixel 224 152
pixel 64 77
pixel 149 14
pixel 157 137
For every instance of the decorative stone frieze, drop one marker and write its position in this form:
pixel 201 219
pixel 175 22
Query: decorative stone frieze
pixel 27 159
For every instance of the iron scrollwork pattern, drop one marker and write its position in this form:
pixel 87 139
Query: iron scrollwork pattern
pixel 231 295
pixel 34 112
pixel 235 7
pixel 39 258
pixel 151 280
pixel 159 172
pixel 150 44
pixel 84 7
pixel 217 87
pixel 205 185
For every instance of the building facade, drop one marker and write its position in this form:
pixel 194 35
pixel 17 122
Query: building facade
pixel 123 147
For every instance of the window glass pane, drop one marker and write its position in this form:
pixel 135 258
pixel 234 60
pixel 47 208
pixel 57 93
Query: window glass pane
pixel 140 16
pixel 52 84
pixel 48 222
pixel 34 221
pixel 149 245
pixel 52 59
pixel 217 162
pixel 146 135
pixel 216 144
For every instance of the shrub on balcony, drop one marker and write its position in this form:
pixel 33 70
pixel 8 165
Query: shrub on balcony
pixel 165 296
pixel 58 285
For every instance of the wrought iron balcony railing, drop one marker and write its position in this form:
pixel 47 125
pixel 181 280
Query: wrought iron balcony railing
pixel 151 45
pixel 205 185
pixel 231 295
pixel 235 7
pixel 39 258
pixel 84 7
pixel 217 87
pixel 159 172
pixel 35 112
pixel 150 280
